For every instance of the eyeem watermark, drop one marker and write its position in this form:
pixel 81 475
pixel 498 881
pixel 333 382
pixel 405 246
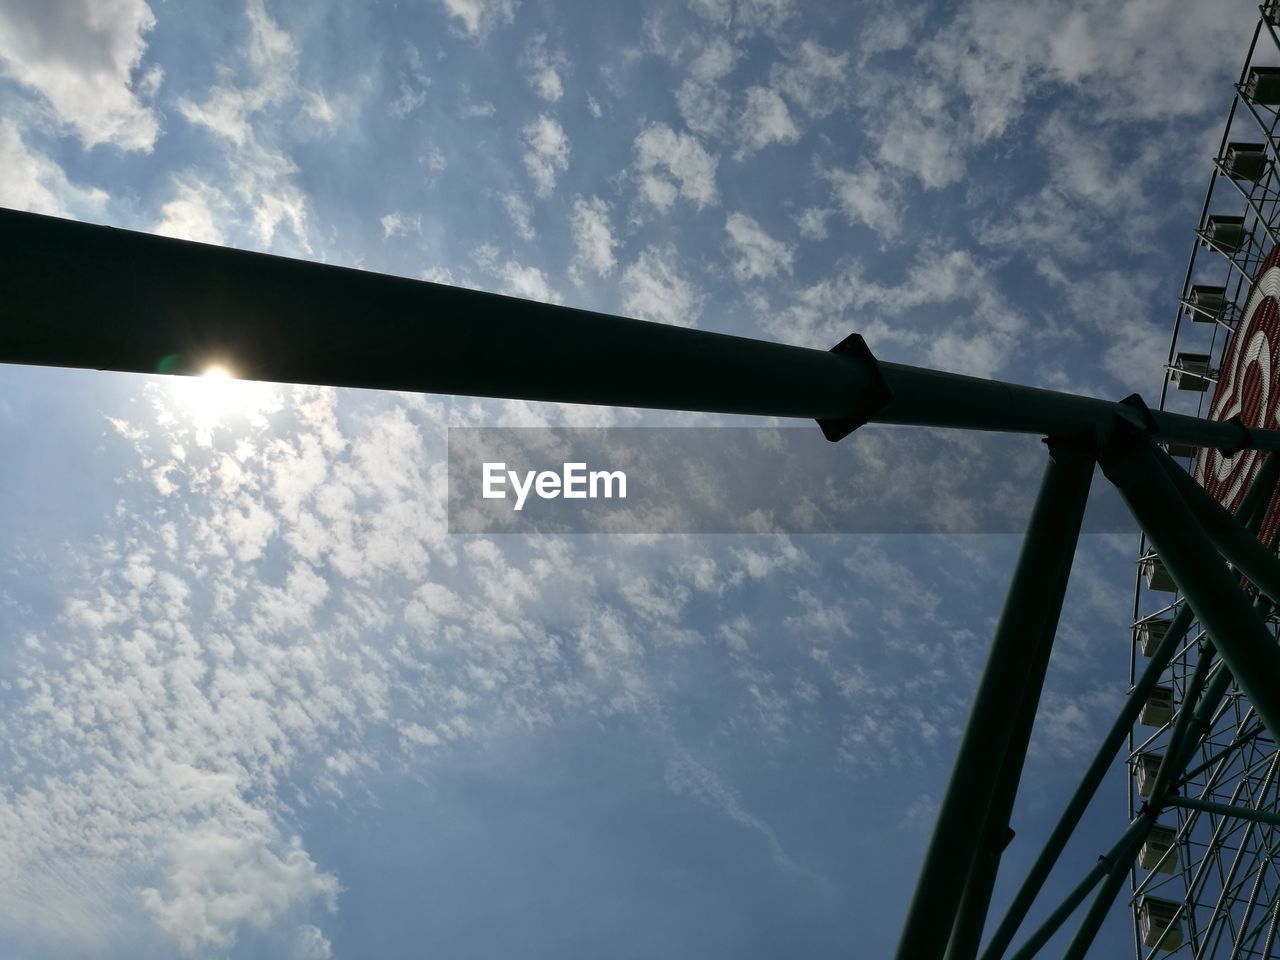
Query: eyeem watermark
pixel 574 482
pixel 747 480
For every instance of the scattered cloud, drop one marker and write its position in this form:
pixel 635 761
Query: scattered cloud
pixel 526 282
pixel 413 81
pixel 544 68
pixel 814 78
pixel 477 17
pixel 194 213
pixel 83 57
pixel 654 289
pixel 593 239
pixel 259 173
pixel 759 256
pixel 546 153
pixel 870 197
pixel 672 165
pixel 765 120
pixel 521 215
pixel 980 340
pixel 30 180
pixel 397 224
pixel 702 99
pixel 812 222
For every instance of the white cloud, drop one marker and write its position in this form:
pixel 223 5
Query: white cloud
pixel 674 164
pixel 812 222
pixel 474 109
pixel 766 120
pixel 258 173
pixel 30 180
pixel 759 256
pixel 653 289
pixel 194 213
pixel 478 17
pixel 870 197
pixel 414 82
pixel 81 56
pixel 593 239
pixel 396 224
pixel 521 215
pixel 763 16
pixel 934 152
pixel 746 17
pixel 546 153
pixel 979 341
pixel 543 68
pixel 977 73
pixel 687 777
pixel 526 282
pixel 221 879
pixel 433 158
pixel 995 55
pixel 702 100
pixel 814 78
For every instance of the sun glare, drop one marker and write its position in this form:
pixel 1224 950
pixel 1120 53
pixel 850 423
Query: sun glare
pixel 215 398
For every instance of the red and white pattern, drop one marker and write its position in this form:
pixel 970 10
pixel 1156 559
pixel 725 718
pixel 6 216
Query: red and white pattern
pixel 1247 388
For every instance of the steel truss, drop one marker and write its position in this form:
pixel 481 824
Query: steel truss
pixel 1219 883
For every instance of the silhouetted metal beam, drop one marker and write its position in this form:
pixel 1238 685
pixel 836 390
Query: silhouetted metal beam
pixel 1253 508
pixel 966 934
pixel 1048 545
pixel 1117 870
pixel 1116 859
pixel 1088 786
pixel 1229 535
pixel 937 399
pixel 1237 631
pixel 1226 810
pixel 78 295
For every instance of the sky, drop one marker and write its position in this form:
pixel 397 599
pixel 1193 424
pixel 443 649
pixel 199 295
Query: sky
pixel 256 700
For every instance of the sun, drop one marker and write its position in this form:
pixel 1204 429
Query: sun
pixel 216 372
pixel 210 398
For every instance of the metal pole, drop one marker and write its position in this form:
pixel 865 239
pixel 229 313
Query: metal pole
pixel 1253 508
pixel 937 399
pixel 1089 783
pixel 1230 536
pixel 1055 523
pixel 1129 841
pixel 966 936
pixel 1225 810
pixel 77 295
pixel 1235 628
pixel 1117 871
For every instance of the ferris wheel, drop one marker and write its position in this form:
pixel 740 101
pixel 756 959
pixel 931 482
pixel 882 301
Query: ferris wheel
pixel 1206 882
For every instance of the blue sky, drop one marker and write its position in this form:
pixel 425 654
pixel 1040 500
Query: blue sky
pixel 256 701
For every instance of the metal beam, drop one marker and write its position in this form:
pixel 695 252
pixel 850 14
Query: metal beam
pixel 937 399
pixel 1049 543
pixel 1232 538
pixel 1253 508
pixel 77 295
pixel 1237 632
pixel 1225 809
pixel 1088 786
pixel 1117 870
pixel 966 936
pixel 1128 844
